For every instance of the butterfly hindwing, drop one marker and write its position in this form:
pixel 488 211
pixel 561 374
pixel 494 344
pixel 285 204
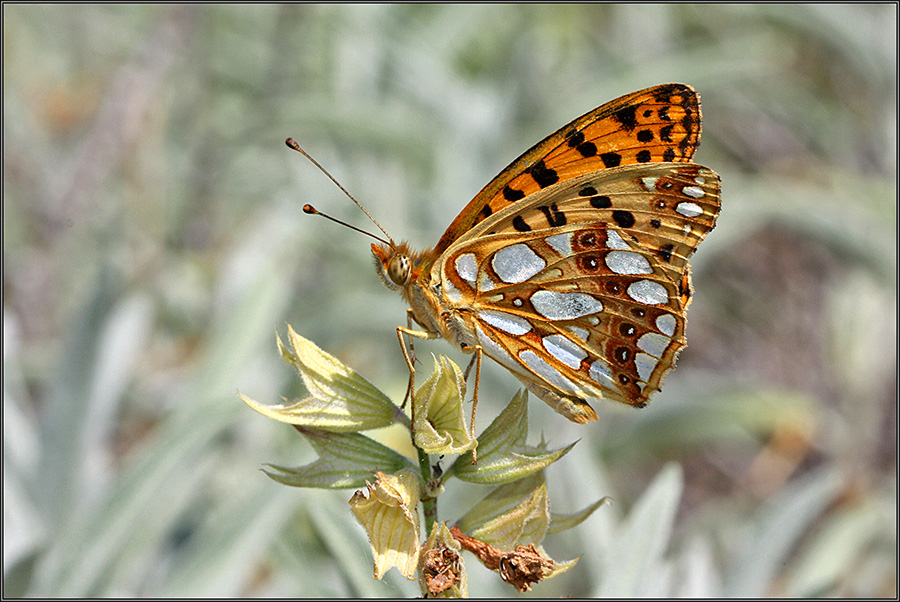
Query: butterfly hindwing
pixel 586 296
pixel 658 124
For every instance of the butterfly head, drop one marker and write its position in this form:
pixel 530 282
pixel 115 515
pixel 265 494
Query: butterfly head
pixel 393 264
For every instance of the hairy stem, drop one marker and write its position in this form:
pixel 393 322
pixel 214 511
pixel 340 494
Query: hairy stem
pixel 429 501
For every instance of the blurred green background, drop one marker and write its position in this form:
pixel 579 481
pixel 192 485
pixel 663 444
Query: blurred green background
pixel 153 244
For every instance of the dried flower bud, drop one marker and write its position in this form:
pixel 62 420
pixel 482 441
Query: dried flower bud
pixel 442 567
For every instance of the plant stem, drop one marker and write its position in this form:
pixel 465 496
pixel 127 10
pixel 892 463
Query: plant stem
pixel 429 501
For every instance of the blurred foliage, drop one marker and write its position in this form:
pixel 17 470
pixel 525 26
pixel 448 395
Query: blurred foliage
pixel 153 242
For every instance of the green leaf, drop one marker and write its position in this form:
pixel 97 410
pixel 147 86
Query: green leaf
pixel 561 522
pixel 514 513
pixel 840 542
pixel 634 561
pixel 340 400
pixel 779 526
pixel 560 566
pixel 345 460
pixel 502 453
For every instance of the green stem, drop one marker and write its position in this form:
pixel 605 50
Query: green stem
pixel 429 502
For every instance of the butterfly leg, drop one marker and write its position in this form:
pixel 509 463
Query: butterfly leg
pixel 410 318
pixel 409 356
pixel 476 359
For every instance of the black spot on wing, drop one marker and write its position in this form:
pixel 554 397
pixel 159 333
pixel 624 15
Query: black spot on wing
pixel 626 116
pixel 543 175
pixel 601 202
pixel 622 354
pixel 625 219
pixel 665 133
pixel 666 252
pixel 666 92
pixel 520 225
pixel 689 123
pixel 511 194
pixel 554 216
pixel 574 138
pixel 611 159
pixel 587 149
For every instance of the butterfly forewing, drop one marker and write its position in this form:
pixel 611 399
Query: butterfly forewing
pixel 658 124
pixel 582 293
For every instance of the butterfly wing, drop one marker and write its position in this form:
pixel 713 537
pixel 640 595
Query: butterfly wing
pixel 582 293
pixel 658 124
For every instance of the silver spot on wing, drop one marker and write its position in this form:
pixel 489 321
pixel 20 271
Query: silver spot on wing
pixel 517 263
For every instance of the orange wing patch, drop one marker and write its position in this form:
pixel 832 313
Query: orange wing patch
pixel 654 125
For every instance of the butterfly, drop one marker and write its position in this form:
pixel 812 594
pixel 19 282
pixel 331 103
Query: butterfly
pixel 570 268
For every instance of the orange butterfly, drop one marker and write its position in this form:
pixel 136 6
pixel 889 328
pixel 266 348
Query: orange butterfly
pixel 570 268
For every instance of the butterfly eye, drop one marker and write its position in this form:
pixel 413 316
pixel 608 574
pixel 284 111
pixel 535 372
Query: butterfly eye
pixel 398 269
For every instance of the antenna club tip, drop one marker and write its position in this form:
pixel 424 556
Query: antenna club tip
pixel 291 143
pixel 309 209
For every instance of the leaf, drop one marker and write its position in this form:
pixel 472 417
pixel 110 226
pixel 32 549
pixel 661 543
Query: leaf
pixel 502 453
pixel 345 460
pixel 634 560
pixel 560 566
pixel 840 543
pixel 561 522
pixel 514 513
pixel 340 400
pixel 778 528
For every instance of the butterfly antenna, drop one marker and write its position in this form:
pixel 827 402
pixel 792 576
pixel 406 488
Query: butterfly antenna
pixel 313 211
